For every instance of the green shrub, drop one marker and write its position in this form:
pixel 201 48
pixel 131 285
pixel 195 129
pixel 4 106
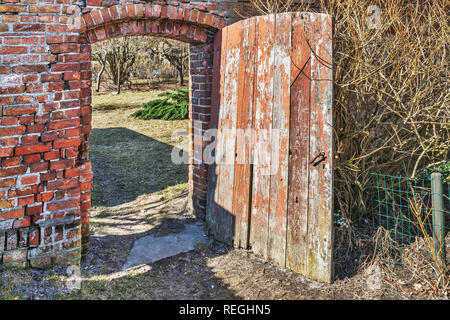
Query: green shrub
pixel 174 106
pixel 444 169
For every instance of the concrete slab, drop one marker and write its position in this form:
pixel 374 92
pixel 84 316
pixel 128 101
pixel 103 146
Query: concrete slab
pixel 151 249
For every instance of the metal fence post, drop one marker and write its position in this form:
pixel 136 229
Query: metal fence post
pixel 438 217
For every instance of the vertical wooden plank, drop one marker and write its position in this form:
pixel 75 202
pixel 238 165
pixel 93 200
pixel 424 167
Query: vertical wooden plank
pixel 227 126
pixel 280 140
pixel 297 219
pixel 218 77
pixel 263 125
pixel 212 213
pixel 242 186
pixel 215 105
pixel 320 227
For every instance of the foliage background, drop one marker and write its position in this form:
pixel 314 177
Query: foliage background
pixel 391 101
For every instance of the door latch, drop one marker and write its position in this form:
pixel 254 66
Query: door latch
pixel 319 159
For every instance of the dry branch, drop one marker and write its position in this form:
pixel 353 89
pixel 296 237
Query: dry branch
pixel 391 103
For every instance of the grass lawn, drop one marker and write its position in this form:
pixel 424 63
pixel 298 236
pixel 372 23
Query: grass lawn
pixel 132 157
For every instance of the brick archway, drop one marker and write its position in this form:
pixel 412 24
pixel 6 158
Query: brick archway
pixel 45 110
pixel 184 24
pixel 188 25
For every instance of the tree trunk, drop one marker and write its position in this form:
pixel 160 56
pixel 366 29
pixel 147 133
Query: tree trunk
pixel 119 79
pixel 181 76
pixel 99 77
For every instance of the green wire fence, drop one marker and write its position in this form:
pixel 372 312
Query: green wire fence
pixel 406 208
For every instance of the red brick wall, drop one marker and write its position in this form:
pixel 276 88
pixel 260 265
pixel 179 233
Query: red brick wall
pixel 45 111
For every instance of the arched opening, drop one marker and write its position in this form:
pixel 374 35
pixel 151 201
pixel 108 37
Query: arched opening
pixel 138 191
pixel 187 25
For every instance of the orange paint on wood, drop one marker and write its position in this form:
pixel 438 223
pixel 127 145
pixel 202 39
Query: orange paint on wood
pixel 280 140
pixel 272 81
pixel 227 126
pixel 242 178
pixel 259 228
pixel 297 224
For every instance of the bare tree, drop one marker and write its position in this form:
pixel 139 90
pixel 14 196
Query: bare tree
pixel 121 56
pixel 117 57
pixel 99 55
pixel 176 53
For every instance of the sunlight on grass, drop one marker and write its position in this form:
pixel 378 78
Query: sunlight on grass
pixel 131 285
pixel 109 102
pixel 132 157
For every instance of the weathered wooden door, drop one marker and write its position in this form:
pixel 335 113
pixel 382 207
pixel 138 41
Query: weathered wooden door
pixel 271 188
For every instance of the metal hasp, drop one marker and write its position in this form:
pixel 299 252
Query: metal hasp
pixel 271 189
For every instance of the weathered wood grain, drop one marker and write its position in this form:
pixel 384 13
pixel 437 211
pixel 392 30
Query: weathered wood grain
pixel 297 225
pixel 214 220
pixel 263 125
pixel 280 140
pixel 244 123
pixel 275 77
pixel 320 226
pixel 227 126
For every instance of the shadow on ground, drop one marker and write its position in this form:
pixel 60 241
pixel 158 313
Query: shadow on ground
pixel 127 164
pixel 184 276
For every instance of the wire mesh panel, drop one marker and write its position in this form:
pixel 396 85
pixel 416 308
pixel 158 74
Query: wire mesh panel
pixel 403 208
